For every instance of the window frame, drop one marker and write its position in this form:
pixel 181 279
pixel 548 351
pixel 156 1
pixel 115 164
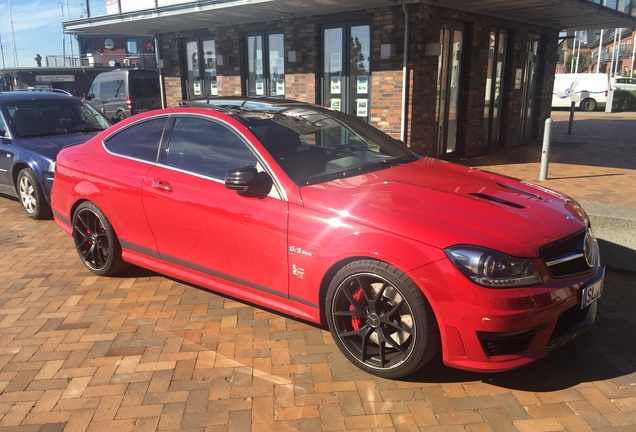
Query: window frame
pixel 266 65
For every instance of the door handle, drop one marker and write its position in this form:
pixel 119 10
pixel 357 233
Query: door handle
pixel 161 185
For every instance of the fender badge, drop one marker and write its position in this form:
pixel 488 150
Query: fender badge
pixel 300 251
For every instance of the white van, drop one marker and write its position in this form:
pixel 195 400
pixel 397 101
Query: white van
pixel 588 90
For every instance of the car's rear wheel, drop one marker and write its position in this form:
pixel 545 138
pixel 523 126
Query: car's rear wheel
pixel 588 104
pixel 380 319
pixel 96 241
pixel 31 195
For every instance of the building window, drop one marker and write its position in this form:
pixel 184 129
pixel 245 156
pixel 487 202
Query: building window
pixel 132 46
pixel 346 71
pixel 200 67
pixel 265 63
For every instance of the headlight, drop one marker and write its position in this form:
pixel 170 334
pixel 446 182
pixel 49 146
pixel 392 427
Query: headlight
pixel 490 268
pixel 52 167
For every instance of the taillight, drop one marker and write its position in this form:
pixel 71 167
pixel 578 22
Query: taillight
pixel 128 102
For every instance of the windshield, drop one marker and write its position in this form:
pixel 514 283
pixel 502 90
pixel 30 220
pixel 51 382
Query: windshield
pixel 53 117
pixel 313 144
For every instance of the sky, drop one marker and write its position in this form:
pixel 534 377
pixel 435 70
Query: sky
pixel 37 29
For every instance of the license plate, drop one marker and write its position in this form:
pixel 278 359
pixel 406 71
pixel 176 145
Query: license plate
pixel 592 292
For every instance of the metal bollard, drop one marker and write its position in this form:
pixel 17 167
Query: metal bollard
pixel 545 151
pixel 571 123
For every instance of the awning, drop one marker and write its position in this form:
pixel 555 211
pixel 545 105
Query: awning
pixel 557 14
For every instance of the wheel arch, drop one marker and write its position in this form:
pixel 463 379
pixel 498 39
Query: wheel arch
pixel 337 266
pixel 19 166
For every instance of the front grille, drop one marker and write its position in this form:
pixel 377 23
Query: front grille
pixel 566 257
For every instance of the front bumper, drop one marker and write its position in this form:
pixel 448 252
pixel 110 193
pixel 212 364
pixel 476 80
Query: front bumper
pixel 488 329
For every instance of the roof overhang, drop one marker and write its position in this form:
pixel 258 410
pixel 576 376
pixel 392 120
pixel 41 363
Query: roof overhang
pixel 556 14
pixel 213 13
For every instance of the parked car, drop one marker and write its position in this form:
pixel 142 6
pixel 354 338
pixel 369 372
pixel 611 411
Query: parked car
pixel 623 83
pixel 120 93
pixel 34 126
pixel 320 216
pixel 588 91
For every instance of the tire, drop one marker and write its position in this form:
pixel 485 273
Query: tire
pixel 96 241
pixel 380 319
pixel 588 105
pixel 31 196
pixel 120 116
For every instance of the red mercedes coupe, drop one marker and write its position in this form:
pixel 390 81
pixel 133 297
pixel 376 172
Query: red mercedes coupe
pixel 322 217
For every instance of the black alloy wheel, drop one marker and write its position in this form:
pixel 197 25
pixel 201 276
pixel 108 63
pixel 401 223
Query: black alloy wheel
pixel 380 319
pixel 96 241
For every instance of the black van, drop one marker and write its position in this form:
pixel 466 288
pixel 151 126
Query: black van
pixel 121 93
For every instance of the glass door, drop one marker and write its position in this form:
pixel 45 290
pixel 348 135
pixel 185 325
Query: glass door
pixel 200 68
pixel 494 85
pixel 265 64
pixel 448 88
pixel 529 86
pixel 346 72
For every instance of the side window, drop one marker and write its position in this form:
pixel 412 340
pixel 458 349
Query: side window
pixel 94 91
pixel 140 141
pixel 3 128
pixel 208 148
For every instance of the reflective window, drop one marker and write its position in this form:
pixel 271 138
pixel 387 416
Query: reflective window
pixel 207 148
pixel 200 65
pixel 139 141
pixel 265 62
pixel 346 71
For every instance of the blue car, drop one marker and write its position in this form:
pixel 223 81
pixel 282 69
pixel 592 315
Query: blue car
pixel 34 126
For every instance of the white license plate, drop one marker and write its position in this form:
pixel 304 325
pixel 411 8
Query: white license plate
pixel 592 292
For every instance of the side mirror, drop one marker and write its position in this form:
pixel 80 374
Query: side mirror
pixel 242 179
pixel 88 97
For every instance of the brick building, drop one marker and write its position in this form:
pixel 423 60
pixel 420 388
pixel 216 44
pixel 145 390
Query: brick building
pixel 451 79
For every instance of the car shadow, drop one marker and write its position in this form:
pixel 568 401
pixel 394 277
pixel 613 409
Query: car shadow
pixel 607 351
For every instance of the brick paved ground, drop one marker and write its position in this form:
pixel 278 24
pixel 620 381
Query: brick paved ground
pixel 143 352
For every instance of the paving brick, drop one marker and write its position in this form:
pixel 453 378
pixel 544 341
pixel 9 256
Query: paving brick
pixel 142 352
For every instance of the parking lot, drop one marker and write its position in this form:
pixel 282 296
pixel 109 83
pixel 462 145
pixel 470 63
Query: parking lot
pixel 144 352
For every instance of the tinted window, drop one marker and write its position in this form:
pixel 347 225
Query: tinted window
pixel 111 89
pixel 144 86
pixel 53 117
pixel 208 148
pixel 140 141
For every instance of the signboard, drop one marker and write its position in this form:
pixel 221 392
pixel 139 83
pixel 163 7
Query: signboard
pixel 55 78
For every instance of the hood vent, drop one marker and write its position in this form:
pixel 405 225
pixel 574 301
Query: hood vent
pixel 522 192
pixel 497 200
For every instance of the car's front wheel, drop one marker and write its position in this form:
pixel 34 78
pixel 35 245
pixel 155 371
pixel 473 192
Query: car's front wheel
pixel 96 241
pixel 31 195
pixel 380 319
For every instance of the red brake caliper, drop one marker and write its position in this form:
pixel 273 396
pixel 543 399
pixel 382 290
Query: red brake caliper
pixel 356 322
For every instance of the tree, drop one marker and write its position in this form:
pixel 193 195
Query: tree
pixel 583 58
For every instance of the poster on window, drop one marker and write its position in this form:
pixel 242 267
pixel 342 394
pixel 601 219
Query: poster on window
pixel 335 63
pixel 363 109
pixel 214 89
pixel 363 84
pixel 335 85
pixel 335 104
pixel 280 87
pixel 260 87
pixel 197 88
